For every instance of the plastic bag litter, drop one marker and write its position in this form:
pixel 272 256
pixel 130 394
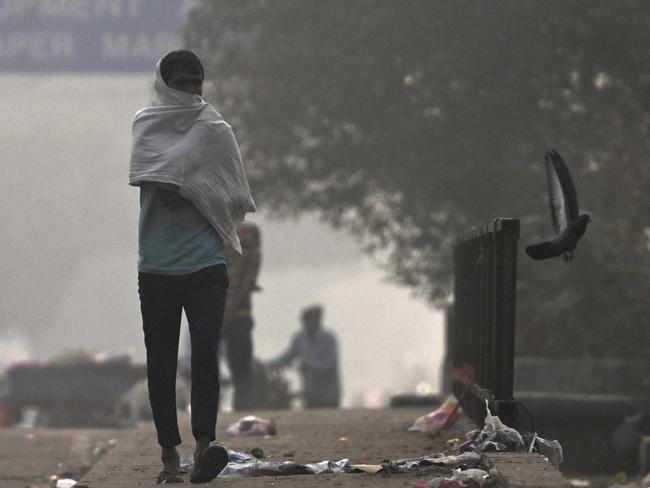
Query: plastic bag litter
pixel 241 464
pixel 65 483
pixel 465 460
pixel 334 467
pixel 551 450
pixel 251 425
pixel 495 436
pixel 439 419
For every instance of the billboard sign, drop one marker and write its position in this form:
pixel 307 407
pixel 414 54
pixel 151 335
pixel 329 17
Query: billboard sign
pixel 88 35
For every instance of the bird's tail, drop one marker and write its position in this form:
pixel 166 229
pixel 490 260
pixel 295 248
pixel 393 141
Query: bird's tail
pixel 541 251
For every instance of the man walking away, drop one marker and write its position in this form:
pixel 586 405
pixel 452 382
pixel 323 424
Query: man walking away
pixel 193 194
pixel 316 350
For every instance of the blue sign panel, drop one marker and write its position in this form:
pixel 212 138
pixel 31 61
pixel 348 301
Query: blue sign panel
pixel 89 35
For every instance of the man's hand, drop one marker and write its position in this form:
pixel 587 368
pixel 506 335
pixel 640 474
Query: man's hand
pixel 171 199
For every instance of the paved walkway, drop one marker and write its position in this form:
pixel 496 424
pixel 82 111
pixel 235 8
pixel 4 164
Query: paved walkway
pixel 363 436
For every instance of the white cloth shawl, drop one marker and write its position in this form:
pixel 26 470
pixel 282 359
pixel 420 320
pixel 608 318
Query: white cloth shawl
pixel 184 142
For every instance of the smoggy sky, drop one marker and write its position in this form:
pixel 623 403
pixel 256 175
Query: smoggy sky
pixel 69 247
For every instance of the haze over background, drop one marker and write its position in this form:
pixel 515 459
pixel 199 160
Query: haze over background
pixel 69 248
pixel 407 136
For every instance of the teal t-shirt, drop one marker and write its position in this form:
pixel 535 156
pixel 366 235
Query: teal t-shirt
pixel 175 240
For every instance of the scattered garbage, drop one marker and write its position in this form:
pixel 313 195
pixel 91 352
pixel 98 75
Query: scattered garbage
pixel 461 478
pixel 242 464
pixel 65 483
pixel 364 468
pixel 496 436
pixel 439 419
pixel 256 451
pixel 251 425
pixel 464 460
pixel 551 450
pixel 333 467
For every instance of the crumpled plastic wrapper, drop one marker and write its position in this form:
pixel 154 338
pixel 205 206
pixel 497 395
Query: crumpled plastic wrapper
pixel 242 464
pixel 439 419
pixel 251 425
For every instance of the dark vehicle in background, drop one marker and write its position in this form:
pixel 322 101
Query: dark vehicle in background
pixel 86 391
pixel 77 393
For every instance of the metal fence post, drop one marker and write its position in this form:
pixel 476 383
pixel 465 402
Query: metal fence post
pixel 482 332
pixel 505 287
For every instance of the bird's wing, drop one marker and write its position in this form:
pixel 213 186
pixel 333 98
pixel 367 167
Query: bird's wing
pixel 568 188
pixel 556 198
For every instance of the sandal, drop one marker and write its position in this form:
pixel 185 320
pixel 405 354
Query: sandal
pixel 209 464
pixel 166 478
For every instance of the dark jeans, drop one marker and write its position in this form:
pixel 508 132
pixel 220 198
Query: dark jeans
pixel 239 354
pixel 162 298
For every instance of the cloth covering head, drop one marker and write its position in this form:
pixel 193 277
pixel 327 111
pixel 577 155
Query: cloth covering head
pixel 183 142
pixel 180 60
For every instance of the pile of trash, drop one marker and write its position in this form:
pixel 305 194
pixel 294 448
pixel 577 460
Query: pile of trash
pixel 460 470
pixel 244 464
pixel 461 461
pixel 498 437
pixel 495 436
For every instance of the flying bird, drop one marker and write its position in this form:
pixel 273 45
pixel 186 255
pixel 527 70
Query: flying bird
pixel 568 223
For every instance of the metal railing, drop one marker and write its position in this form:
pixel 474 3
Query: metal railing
pixel 481 326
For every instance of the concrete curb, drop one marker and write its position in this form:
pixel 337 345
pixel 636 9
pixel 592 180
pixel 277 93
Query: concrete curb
pixel 524 470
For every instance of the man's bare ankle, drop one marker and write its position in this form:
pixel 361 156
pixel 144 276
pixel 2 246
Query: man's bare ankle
pixel 170 459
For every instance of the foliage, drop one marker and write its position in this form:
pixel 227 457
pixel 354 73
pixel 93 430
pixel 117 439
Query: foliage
pixel 406 122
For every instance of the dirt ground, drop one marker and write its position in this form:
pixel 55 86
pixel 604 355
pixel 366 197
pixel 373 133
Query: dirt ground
pixel 28 457
pixel 363 436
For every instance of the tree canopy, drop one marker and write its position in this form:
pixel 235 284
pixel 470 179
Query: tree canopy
pixel 407 122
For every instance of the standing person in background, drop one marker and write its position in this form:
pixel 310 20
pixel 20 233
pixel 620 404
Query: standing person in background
pixel 316 351
pixel 193 194
pixel 238 318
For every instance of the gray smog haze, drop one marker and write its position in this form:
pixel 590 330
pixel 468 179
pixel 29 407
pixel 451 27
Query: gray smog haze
pixel 69 247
